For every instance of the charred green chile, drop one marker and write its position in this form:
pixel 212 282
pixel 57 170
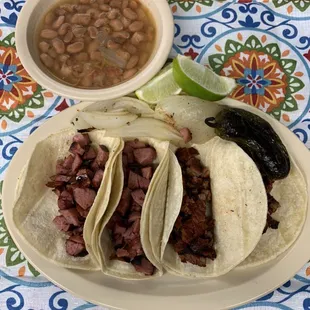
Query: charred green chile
pixel 256 137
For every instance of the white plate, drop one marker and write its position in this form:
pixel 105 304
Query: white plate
pixel 168 292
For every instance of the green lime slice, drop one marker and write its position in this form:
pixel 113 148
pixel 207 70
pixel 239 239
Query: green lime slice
pixel 199 81
pixel 161 86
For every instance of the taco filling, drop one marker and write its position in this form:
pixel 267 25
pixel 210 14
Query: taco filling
pixel 273 206
pixel 124 226
pixel 192 236
pixel 76 183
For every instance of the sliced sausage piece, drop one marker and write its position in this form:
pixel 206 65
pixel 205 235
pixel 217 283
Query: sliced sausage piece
pixel 186 134
pixel 90 154
pixel 77 162
pixel 76 149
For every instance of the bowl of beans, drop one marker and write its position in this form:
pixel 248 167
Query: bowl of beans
pixel 94 49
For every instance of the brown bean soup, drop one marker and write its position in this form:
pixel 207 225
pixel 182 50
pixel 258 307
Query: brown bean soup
pixel 96 43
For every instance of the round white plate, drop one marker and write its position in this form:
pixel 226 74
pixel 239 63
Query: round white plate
pixel 168 292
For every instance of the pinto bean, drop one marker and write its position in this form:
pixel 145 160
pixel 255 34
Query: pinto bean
pixel 116 81
pixel 44 46
pixel 81 56
pixel 81 8
pixel 125 21
pixel 143 59
pixel 78 31
pixel 129 73
pixel 82 19
pixel 69 7
pixel 116 3
pixel 113 45
pixel 58 45
pixel 56 66
pixel 48 34
pixel 99 79
pixel 95 6
pixel 116 25
pixel 130 14
pixel 137 38
pixel 121 34
pixel 75 47
pixel 125 4
pixel 68 37
pixel 141 14
pixel 132 62
pixel 133 5
pixel 93 46
pixel 58 22
pixel 47 60
pixel 123 54
pixel 68 18
pixel 94 13
pixel 100 22
pixel 85 1
pixel 105 7
pixel 52 52
pixel 63 58
pixel 93 32
pixel 150 33
pixel 60 11
pixel 63 29
pixel 130 48
pixel 65 70
pixel 49 18
pixel 114 13
pixel 96 56
pixel 87 80
pixel 136 26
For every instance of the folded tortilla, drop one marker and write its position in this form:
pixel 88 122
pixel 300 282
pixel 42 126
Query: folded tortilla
pixel 156 194
pixel 291 193
pixel 36 205
pixel 239 207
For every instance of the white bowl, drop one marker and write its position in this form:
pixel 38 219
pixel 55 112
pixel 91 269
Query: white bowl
pixel 27 50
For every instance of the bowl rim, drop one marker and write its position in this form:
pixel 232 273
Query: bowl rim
pixel 159 59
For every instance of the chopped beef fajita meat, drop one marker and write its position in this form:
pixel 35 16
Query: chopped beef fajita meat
pixel 192 236
pixel 273 206
pixel 124 225
pixel 77 180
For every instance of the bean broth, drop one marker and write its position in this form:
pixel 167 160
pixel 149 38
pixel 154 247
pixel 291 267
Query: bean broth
pixel 96 44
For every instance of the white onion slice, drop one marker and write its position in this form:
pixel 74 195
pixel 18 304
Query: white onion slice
pixel 102 120
pixel 128 104
pixel 147 127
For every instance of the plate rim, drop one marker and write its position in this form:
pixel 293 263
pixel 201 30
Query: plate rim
pixel 183 302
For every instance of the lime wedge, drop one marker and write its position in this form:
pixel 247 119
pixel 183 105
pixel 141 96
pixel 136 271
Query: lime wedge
pixel 199 81
pixel 161 86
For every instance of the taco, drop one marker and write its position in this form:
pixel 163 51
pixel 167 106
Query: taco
pixel 140 179
pixel 78 167
pixel 215 212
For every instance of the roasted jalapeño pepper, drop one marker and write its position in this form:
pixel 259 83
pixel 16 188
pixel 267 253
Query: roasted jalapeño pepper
pixel 256 137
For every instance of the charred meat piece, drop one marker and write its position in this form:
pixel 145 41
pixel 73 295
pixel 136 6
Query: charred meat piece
pixel 74 248
pixel 82 139
pixel 76 149
pixel 124 224
pixel 61 223
pixel 192 236
pixel 144 156
pixel 71 216
pixel 186 134
pixel 84 197
pixel 124 204
pixel 96 181
pixel 76 186
pixel 147 172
